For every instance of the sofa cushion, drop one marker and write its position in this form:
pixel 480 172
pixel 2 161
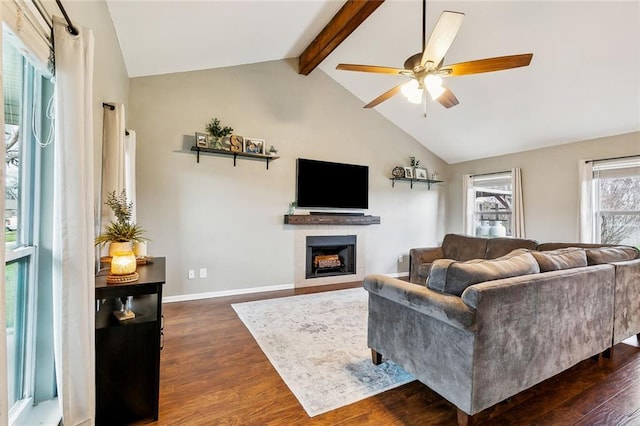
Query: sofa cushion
pixel 597 256
pixel 497 247
pixel 454 277
pixel 555 246
pixel 565 258
pixel 463 247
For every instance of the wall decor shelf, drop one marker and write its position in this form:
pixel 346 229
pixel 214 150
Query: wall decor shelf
pixel 235 155
pixel 330 219
pixel 429 182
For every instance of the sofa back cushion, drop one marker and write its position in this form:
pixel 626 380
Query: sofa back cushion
pixel 453 277
pixel 497 247
pixel 597 256
pixel 564 258
pixel 463 247
pixel 555 246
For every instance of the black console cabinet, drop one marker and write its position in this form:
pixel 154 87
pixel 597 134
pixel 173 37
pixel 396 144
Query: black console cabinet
pixel 128 352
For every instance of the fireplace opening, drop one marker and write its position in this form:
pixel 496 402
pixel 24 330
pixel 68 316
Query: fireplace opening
pixel 330 255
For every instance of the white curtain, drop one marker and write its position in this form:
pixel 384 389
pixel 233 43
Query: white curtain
pixel 468 205
pixel 130 169
pixel 585 212
pixel 517 202
pixel 73 215
pixel 4 386
pixel 113 157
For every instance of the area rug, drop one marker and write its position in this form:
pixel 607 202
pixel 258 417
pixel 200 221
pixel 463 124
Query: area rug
pixel 318 345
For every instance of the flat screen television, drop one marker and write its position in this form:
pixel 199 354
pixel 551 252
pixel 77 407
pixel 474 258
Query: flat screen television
pixel 322 184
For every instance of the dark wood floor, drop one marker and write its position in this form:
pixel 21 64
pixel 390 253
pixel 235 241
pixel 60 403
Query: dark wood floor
pixel 214 373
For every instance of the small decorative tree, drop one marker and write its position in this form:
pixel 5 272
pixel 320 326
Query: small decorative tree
pixel 217 132
pixel 120 230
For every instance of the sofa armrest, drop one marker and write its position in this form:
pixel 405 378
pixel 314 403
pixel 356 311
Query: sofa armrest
pixel 443 307
pixel 627 298
pixel 418 256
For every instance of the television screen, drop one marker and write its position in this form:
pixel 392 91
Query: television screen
pixel 332 185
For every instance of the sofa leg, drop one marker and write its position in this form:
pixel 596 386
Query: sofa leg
pixel 465 419
pixel 376 358
pixel 603 357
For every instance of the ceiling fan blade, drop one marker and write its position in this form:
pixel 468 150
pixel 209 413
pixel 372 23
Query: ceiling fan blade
pixel 448 99
pixel 386 95
pixel 370 68
pixel 441 37
pixel 489 64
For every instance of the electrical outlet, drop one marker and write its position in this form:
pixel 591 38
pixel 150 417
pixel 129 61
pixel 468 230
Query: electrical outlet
pixel 203 272
pixel 401 258
pixel 192 274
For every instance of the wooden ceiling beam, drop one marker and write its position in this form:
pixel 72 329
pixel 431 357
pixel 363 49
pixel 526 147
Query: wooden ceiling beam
pixel 348 18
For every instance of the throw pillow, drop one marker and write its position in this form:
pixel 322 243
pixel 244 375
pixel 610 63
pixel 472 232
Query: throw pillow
pixel 565 258
pixel 597 256
pixel 449 276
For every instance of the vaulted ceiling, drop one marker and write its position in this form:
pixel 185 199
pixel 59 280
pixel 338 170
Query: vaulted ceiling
pixel 583 81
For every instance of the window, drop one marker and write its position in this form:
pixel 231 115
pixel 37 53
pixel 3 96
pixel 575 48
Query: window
pixel 24 90
pixel 489 201
pixel 616 201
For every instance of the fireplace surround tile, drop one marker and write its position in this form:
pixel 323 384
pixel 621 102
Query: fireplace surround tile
pixel 300 250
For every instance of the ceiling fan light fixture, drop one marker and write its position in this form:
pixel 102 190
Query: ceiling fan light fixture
pixel 436 92
pixel 415 99
pixel 433 83
pixel 412 91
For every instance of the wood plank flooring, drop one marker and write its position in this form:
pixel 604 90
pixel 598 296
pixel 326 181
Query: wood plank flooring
pixel 214 373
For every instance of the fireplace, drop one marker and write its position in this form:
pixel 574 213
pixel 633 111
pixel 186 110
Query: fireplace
pixel 330 255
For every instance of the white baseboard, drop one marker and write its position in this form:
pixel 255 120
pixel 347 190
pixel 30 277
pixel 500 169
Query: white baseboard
pixel 236 292
pixel 224 293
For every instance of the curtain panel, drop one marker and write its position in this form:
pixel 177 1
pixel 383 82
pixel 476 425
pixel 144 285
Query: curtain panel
pixel 468 197
pixel 73 248
pixel 113 157
pixel 585 212
pixel 130 171
pixel 518 230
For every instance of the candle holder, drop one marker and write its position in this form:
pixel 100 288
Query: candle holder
pixel 123 268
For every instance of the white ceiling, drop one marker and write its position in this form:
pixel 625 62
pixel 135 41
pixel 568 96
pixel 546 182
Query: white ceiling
pixel 583 81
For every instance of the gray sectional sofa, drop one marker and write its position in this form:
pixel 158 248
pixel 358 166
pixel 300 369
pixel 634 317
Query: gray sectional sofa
pixel 481 330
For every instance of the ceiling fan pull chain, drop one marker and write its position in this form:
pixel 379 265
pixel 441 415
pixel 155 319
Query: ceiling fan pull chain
pixel 424 103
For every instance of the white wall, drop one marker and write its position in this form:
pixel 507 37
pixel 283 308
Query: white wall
pixel 230 220
pixel 550 183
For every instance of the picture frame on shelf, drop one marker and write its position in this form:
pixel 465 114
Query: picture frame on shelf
pixel 408 173
pixel 202 140
pixel 254 146
pixel 398 172
pixel 236 143
pixel 421 174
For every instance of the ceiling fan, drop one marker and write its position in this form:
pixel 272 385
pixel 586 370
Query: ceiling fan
pixel 426 68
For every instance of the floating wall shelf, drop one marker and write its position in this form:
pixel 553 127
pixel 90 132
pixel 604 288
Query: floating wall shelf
pixel 429 182
pixel 330 219
pixel 235 155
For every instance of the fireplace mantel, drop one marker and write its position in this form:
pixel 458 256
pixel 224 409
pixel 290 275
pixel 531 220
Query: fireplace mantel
pixel 330 219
